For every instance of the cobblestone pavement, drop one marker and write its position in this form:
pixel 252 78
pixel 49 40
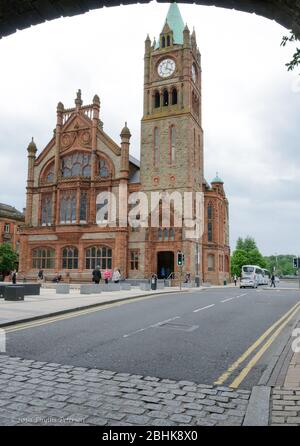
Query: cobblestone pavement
pixel 40 393
pixel 285 406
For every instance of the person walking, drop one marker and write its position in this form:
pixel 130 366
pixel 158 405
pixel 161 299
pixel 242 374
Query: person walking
pixel 107 275
pixel 235 279
pixel 14 277
pixel 273 281
pixel 97 275
pixel 116 276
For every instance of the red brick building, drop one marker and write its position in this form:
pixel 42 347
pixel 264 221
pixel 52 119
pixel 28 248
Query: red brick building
pixel 10 221
pixel 62 232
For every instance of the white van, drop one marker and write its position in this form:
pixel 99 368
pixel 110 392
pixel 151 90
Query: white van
pixel 252 276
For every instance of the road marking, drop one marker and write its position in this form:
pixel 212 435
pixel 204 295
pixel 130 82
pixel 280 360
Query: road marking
pixel 253 347
pixel 158 324
pixel 204 308
pixel 227 300
pixel 259 354
pixel 50 320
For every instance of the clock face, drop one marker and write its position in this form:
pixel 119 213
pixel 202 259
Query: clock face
pixel 166 68
pixel 194 73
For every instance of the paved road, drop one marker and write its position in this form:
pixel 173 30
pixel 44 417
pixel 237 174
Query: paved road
pixel 193 336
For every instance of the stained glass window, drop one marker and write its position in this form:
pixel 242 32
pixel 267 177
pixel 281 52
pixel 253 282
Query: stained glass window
pixel 46 210
pixel 68 207
pixel 77 164
pixel 83 207
pixel 103 168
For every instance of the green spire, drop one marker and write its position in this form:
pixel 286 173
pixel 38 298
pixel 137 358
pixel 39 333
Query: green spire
pixel 217 179
pixel 175 22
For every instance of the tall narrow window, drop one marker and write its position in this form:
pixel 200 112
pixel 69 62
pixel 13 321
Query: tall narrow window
pixel 156 147
pixel 174 96
pixel 103 168
pixel 172 144
pixel 163 42
pixel 157 99
pixel 209 223
pixel 68 207
pixel 210 262
pixel 83 207
pixel 46 210
pixel 134 260
pixel 165 98
pixel 168 41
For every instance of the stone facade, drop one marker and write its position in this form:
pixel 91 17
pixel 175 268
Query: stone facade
pixel 62 232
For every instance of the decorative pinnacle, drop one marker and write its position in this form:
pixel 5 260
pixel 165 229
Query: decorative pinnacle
pixel 96 99
pixel 32 147
pixel 60 107
pixel 125 131
pixel 78 101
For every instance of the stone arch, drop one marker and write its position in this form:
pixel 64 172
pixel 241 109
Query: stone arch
pixel 15 17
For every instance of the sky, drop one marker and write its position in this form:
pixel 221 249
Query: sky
pixel 251 104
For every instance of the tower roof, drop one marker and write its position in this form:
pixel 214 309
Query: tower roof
pixel 175 22
pixel 217 179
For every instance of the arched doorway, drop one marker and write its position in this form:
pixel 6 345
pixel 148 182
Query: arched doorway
pixel 165 264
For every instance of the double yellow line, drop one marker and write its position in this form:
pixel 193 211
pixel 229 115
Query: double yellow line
pixel 278 327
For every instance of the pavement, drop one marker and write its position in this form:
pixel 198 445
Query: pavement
pixel 124 365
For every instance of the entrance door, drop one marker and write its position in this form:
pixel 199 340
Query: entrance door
pixel 165 264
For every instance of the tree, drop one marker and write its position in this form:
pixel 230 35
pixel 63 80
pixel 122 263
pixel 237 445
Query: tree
pixel 246 253
pixel 295 62
pixel 8 259
pixel 281 264
pixel 238 259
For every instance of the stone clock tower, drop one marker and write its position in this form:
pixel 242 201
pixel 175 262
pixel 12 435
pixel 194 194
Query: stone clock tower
pixel 171 131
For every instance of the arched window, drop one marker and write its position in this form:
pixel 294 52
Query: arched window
pixel 174 96
pixel 46 210
pixel 172 144
pixel 68 207
pixel 104 171
pixel 70 258
pixel 168 41
pixel 166 234
pixel 98 256
pixel 160 234
pixel 43 258
pixel 163 42
pixel 210 262
pixel 77 164
pixel 172 234
pixel 156 147
pixel 157 99
pixel 165 98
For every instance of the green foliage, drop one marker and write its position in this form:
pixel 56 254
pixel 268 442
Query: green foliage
pixel 283 265
pixel 246 253
pixel 295 62
pixel 8 259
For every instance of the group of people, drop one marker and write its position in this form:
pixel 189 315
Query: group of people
pixel 107 275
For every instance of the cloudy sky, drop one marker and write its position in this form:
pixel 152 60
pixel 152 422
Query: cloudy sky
pixel 251 104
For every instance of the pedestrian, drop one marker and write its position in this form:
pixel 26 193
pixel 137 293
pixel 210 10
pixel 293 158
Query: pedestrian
pixel 14 277
pixel 187 278
pixel 41 275
pixel 235 279
pixel 273 281
pixel 107 275
pixel 97 275
pixel 116 276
